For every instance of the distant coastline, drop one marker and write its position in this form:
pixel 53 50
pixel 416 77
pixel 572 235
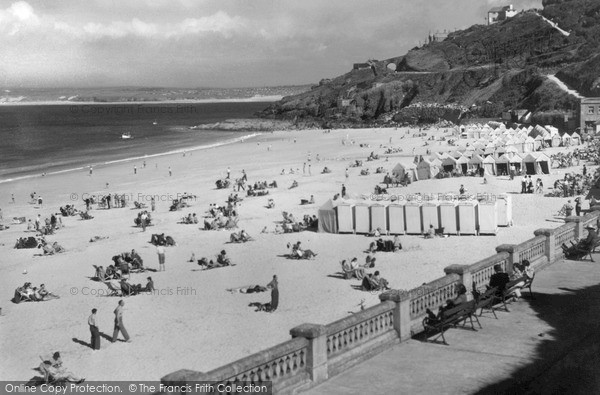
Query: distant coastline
pixel 255 99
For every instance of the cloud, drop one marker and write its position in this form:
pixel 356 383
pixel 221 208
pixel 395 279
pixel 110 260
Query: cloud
pixel 18 16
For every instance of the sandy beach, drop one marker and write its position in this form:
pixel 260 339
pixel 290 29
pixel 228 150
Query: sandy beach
pixel 193 322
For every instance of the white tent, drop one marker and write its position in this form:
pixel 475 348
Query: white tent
pixel 538 142
pixel 427 169
pixel 489 164
pixel 575 138
pixel 462 164
pixel 475 162
pixel 405 170
pixel 517 162
pixel 531 165
pixel 502 165
pixel 529 144
pixel 511 151
pixel 543 162
pixel 448 164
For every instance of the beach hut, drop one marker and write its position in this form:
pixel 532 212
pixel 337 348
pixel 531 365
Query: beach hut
pixel 502 165
pixel 475 163
pixel 531 165
pixel 412 215
pixel 427 169
pixel 362 220
pixel 462 164
pixel 511 151
pixel 538 142
pixel 556 140
pixel 504 210
pixel 449 217
pixel 517 162
pixel 566 140
pixel 575 138
pixel 467 217
pixel 345 217
pixel 489 165
pixel 379 217
pixel 405 170
pixel 395 215
pixel 543 162
pixel 327 218
pixel 430 215
pixel 488 217
pixel 449 164
pixel 489 149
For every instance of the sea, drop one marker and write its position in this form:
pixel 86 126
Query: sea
pixel 53 138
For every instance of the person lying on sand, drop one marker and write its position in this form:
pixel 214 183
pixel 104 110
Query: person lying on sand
pixel 248 289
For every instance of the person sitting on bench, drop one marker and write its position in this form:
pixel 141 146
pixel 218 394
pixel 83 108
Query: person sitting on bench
pixel 498 280
pixel 521 271
pixel 450 303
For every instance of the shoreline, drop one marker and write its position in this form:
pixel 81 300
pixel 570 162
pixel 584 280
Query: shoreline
pixel 259 99
pixel 144 157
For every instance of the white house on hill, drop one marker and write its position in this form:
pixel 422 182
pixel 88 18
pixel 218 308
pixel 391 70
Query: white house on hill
pixel 498 14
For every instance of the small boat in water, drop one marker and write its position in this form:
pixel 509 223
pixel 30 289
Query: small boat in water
pixel 155 123
pixel 126 136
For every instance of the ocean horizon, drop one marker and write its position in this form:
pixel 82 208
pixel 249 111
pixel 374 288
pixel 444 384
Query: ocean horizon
pixel 53 138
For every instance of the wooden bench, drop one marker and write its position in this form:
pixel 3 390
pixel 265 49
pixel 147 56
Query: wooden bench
pixel 485 301
pixel 490 298
pixel 452 317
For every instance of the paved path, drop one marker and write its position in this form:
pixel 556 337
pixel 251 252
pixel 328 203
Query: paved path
pixel 548 344
pixel 564 86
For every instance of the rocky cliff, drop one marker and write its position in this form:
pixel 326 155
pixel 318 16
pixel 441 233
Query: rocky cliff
pixel 480 72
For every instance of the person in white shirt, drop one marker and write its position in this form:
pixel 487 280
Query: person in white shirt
pixel 160 250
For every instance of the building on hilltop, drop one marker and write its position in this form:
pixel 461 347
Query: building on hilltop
pixel 589 118
pixel 437 37
pixel 498 14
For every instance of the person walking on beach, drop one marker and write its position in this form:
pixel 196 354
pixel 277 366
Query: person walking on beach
pixel 244 176
pixel 160 250
pixel 228 173
pixel 170 172
pixel 309 170
pixel 134 169
pixel 304 168
pixel 119 326
pixel 12 196
pixel 153 203
pixel 91 170
pixel 274 293
pixel 40 201
pixel 343 190
pixel 347 174
pixel 95 333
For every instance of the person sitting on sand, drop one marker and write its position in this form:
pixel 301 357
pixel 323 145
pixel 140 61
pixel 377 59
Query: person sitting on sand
pixel 430 234
pixel 223 259
pixel 57 247
pixel 149 285
pixel 244 236
pixel 373 282
pixel 375 233
pixel 397 244
pixel 357 271
pixel 44 294
pixel 54 366
pixel 279 230
pixel 101 274
pixel 294 184
pixel 136 260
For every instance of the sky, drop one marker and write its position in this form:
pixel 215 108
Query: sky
pixel 214 43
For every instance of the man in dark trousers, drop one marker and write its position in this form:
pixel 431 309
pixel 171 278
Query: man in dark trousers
pixel 119 326
pixel 274 293
pixel 499 280
pixel 95 339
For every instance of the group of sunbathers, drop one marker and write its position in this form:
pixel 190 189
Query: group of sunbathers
pixel 27 293
pixel 385 245
pixel 28 242
pixel 162 240
pixel 256 192
pixel 240 237
pixel 143 219
pixel 299 253
pixel 51 249
pixel 221 261
pixel 190 219
pixel 68 210
pixel 127 261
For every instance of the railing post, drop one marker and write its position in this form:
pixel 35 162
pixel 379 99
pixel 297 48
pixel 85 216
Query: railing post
pixel 550 243
pixel 578 221
pixel 513 256
pixel 465 276
pixel 176 382
pixel 401 311
pixel 316 358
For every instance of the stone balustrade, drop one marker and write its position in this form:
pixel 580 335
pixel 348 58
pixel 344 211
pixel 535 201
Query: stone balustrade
pixel 317 352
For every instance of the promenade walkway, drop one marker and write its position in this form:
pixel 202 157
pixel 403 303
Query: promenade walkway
pixel 548 344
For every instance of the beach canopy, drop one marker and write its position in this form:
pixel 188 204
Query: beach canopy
pixel 327 218
pixel 489 164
